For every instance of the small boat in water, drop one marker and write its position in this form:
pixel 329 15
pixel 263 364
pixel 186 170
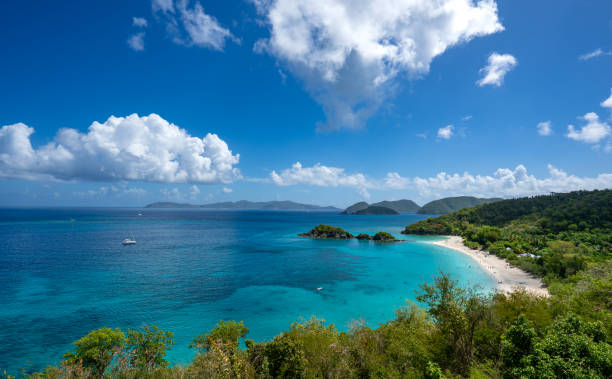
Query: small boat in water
pixel 139 214
pixel 128 241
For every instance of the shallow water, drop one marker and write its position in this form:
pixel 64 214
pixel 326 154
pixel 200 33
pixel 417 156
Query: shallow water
pixel 64 272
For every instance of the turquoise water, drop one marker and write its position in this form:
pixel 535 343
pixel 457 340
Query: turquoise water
pixel 64 272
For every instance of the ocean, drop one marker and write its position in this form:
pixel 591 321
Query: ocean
pixel 64 272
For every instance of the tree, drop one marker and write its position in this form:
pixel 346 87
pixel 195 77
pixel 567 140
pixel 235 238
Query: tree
pixel 147 349
pixel 457 312
pixel 97 349
pixel 571 348
pixel 227 332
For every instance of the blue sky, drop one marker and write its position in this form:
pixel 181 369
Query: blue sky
pixel 374 102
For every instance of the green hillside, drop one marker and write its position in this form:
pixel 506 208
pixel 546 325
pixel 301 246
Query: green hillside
pixel 402 206
pixel 452 204
pixel 553 236
pixel 355 207
pixel 398 206
pixel 376 210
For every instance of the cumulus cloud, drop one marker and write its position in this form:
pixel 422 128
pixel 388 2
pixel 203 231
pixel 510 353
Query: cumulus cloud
pixel 194 191
pixel 227 190
pixel 119 190
pixel 504 182
pixel 593 132
pixel 496 69
pixel 349 54
pixel 145 148
pixel 163 6
pixel 192 26
pixel 136 41
pixel 446 132
pixel 545 128
pixel 321 176
pixel 608 102
pixel 139 22
pixel 594 54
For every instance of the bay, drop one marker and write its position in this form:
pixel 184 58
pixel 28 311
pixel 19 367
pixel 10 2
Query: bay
pixel 64 272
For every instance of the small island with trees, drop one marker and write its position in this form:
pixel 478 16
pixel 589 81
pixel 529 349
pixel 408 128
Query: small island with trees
pixel 332 232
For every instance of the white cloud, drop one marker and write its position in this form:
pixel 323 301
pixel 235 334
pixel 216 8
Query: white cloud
pixel 118 190
pixel 349 53
pixel 321 176
pixel 506 183
pixel 545 128
pixel 227 190
pixel 498 66
pixel 593 132
pixel 503 183
pixel 608 102
pixel 122 148
pixel 466 118
pixel 194 191
pixel 191 25
pixel 163 6
pixel 446 132
pixel 171 194
pixel 136 41
pixel 139 22
pixel 594 54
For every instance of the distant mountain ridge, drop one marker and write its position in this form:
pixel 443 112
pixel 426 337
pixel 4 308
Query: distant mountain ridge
pixel 452 204
pixel 245 205
pixel 377 210
pixel 396 207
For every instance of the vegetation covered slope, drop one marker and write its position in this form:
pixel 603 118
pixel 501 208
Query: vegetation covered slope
pixel 402 206
pixel 355 207
pixel 399 206
pixel 452 204
pixel 553 236
pixel 376 210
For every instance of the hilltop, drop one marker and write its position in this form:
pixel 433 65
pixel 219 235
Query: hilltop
pixel 246 205
pixel 377 210
pixel 452 204
pixel 395 207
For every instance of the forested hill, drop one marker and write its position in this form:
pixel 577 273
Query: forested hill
pixel 553 235
pixel 452 204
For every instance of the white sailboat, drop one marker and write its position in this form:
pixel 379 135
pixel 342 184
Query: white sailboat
pixel 128 241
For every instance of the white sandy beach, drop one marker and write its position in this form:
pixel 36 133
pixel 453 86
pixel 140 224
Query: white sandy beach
pixel 508 277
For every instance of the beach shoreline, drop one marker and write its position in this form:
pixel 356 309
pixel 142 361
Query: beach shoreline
pixel 507 277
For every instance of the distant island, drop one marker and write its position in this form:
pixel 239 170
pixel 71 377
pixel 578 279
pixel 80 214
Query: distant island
pixel 332 232
pixel 436 207
pixel 376 210
pixel 453 204
pixel 383 207
pixel 246 205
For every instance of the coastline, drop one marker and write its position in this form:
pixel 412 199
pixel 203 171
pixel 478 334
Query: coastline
pixel 507 277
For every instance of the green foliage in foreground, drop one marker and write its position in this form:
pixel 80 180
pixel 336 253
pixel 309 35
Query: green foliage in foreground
pixel 462 333
pixel 554 236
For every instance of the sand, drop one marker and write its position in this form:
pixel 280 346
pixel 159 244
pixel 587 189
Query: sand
pixel 507 277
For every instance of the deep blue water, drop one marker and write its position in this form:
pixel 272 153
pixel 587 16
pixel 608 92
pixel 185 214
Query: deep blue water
pixel 64 272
